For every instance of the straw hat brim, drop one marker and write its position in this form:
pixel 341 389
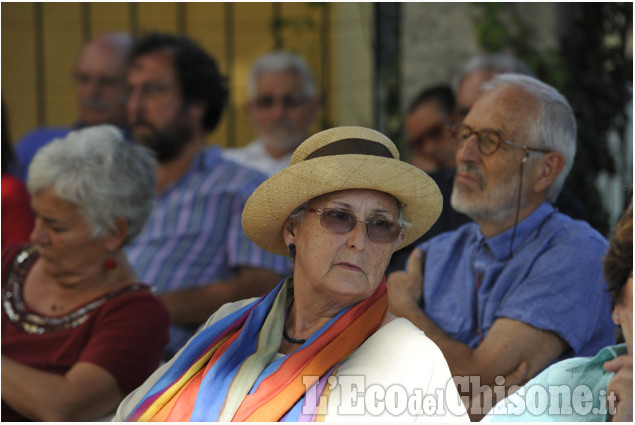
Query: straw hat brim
pixel 271 203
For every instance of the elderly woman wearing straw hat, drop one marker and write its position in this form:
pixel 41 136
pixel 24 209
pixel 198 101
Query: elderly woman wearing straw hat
pixel 321 345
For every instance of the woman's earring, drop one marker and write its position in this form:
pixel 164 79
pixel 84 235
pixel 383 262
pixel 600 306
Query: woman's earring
pixel 110 264
pixel 292 250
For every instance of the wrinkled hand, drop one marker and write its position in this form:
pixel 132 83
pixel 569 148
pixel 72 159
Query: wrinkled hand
pixel 406 288
pixel 622 385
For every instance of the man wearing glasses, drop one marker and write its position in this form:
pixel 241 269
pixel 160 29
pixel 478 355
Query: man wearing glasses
pixel 429 142
pixel 431 147
pixel 282 106
pixel 99 75
pixel 520 287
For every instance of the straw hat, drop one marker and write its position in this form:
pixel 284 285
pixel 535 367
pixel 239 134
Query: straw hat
pixel 338 159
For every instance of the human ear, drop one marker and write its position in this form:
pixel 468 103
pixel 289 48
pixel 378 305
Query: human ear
pixel 548 169
pixel 115 237
pixel 288 231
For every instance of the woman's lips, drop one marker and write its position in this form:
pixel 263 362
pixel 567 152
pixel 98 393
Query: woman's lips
pixel 350 266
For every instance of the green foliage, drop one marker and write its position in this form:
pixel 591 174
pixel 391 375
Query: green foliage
pixel 591 67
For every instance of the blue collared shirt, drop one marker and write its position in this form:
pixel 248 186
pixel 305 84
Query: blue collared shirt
pixel 553 281
pixel 194 235
pixel 28 146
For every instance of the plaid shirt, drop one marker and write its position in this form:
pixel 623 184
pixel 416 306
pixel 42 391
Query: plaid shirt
pixel 194 235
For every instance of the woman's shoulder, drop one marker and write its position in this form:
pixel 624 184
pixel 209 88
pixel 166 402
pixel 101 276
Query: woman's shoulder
pixel 225 310
pixel 398 346
pixel 400 332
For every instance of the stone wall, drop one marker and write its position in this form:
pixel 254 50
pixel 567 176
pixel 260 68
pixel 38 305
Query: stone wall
pixel 438 39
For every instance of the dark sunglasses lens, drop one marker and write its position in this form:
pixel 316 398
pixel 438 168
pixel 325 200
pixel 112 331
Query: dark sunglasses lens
pixel 436 132
pixel 342 222
pixel 383 230
pixel 293 101
pixel 289 101
pixel 264 102
pixel 338 221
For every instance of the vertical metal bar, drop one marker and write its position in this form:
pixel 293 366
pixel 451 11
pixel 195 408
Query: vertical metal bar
pixel 181 22
pixel 326 64
pixel 229 60
pixel 86 22
pixel 133 11
pixel 277 25
pixel 387 69
pixel 40 89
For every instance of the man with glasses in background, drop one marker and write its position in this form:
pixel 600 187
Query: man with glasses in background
pixel 193 248
pixel 521 286
pixel 431 148
pixel 282 106
pixel 429 142
pixel 100 86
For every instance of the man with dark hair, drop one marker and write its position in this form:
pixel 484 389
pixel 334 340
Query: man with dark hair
pixel 99 75
pixel 193 248
pixel 431 148
pixel 430 143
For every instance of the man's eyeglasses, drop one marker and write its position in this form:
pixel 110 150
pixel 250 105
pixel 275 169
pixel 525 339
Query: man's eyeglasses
pixel 489 141
pixel 288 101
pixel 100 81
pixel 377 229
pixel 150 89
pixel 433 133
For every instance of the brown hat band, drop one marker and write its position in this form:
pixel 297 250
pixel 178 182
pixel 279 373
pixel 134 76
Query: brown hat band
pixel 351 147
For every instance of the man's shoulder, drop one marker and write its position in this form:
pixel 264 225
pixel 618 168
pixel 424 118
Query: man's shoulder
pixel 566 230
pixel 241 151
pixel 228 174
pixel 41 136
pixel 256 156
pixel 465 233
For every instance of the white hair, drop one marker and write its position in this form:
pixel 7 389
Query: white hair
pixel 498 63
pixel 105 176
pixel 554 129
pixel 280 61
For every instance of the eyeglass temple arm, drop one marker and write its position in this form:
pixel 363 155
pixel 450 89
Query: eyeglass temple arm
pixel 527 148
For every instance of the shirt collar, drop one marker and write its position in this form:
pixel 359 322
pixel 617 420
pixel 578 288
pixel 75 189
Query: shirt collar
pixel 205 159
pixel 604 355
pixel 499 244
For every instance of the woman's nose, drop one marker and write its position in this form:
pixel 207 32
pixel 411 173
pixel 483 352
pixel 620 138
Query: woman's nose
pixel 38 235
pixel 358 236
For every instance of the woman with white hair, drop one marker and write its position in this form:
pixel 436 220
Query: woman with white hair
pixel 78 330
pixel 321 345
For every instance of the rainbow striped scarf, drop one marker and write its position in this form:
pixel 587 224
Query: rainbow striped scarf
pixel 226 372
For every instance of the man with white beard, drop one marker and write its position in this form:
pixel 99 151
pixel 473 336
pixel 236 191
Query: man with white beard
pixel 282 106
pixel 521 287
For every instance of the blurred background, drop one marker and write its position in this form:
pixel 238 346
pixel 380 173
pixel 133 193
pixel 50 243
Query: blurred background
pixel 370 60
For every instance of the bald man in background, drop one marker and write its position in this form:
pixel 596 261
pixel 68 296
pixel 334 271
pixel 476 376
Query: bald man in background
pixel 99 77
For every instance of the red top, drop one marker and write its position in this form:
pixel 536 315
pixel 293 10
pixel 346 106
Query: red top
pixel 125 335
pixel 17 218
